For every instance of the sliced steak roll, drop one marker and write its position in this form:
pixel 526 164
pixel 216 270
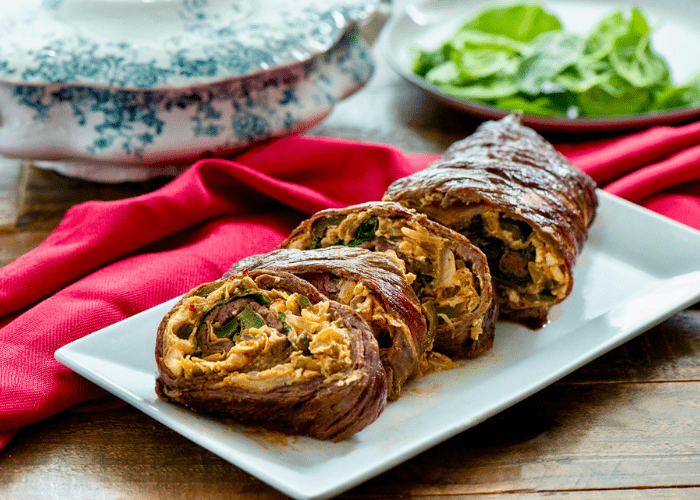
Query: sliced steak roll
pixel 448 274
pixel 266 348
pixel 371 283
pixel 520 201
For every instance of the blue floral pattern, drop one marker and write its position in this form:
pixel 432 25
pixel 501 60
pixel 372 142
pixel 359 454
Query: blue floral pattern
pixel 204 49
pixel 146 125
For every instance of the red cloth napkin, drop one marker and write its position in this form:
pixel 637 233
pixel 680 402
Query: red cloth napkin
pixel 109 260
pixel 658 169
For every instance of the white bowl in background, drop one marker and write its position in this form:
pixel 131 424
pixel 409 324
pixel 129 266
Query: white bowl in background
pixel 95 94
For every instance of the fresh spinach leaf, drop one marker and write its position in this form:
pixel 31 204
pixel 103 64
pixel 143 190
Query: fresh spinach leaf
pixel 484 90
pixel 365 231
pixel 674 97
pixel 601 39
pixel 518 22
pixel 541 106
pixel 519 57
pixel 556 52
pixel 613 97
pixel 446 73
pixel 472 39
pixel 634 61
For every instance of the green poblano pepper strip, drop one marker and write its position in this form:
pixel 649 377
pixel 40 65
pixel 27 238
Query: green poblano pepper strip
pixel 321 226
pixel 250 319
pixel 185 330
pixel 282 317
pixel 452 311
pixel 207 289
pixel 252 294
pixel 245 319
pixel 304 343
pixel 229 329
pixel 304 302
pixel 430 312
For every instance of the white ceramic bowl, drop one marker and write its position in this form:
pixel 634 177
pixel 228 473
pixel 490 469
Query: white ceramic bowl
pixel 115 90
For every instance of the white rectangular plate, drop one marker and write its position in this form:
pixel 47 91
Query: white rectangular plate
pixel 637 269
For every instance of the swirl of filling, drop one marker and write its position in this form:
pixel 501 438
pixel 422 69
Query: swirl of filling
pixel 373 284
pixel 266 348
pixel 448 274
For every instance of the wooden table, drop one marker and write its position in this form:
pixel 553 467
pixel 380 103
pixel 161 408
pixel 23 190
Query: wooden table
pixel 624 426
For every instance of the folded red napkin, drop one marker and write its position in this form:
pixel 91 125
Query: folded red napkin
pixel 109 260
pixel 658 169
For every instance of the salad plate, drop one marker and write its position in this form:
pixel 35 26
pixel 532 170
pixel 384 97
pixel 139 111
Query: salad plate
pixel 625 283
pixel 425 24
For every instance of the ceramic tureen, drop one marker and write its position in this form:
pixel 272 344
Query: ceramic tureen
pixel 115 90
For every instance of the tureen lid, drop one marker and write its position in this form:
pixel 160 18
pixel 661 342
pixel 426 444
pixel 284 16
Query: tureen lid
pixel 147 44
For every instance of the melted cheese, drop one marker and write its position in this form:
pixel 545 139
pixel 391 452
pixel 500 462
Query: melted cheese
pixel 548 271
pixel 452 285
pixel 321 345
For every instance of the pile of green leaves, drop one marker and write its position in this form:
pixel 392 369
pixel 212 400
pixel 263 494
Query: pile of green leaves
pixel 520 58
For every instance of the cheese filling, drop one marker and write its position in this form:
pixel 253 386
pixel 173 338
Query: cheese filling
pixel 232 333
pixel 445 285
pixel 522 262
pixel 527 269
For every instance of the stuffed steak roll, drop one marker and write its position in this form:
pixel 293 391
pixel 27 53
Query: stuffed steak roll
pixel 371 283
pixel 520 201
pixel 266 348
pixel 448 274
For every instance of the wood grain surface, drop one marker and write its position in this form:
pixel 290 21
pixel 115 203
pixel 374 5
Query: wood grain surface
pixel 625 426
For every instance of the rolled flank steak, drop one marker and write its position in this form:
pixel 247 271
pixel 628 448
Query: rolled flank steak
pixel 266 348
pixel 520 201
pixel 448 274
pixel 371 283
